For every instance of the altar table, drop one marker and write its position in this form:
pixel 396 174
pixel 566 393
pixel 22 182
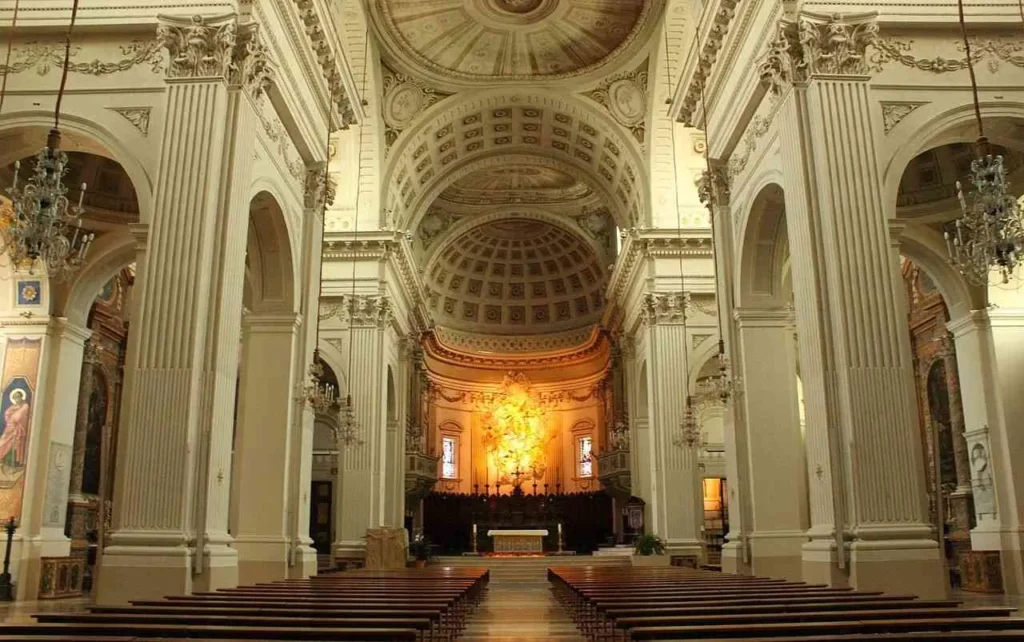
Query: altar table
pixel 518 541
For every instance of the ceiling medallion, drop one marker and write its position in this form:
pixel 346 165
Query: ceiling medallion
pixel 520 12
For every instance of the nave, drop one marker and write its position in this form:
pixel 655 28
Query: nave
pixel 526 599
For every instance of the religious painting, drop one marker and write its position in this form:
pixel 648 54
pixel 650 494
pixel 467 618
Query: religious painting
pixel 21 370
pixel 30 292
pixel 96 419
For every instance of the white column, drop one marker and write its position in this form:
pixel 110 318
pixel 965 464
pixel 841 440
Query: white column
pixel 50 445
pixel 171 492
pixel 778 484
pixel 988 351
pixel 675 503
pixel 861 411
pixel 360 492
pixel 262 447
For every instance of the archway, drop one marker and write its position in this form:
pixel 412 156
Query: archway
pixel 768 420
pixel 260 492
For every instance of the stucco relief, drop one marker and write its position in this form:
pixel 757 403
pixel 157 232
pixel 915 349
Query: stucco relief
pixel 625 97
pixel 405 98
pixel 45 56
pixel 993 52
pixel 893 113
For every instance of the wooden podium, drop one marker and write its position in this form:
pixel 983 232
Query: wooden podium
pixel 518 541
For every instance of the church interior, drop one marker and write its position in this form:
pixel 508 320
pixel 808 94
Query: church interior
pixel 511 320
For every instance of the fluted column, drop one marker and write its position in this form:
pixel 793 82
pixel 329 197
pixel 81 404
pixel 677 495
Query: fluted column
pixel 861 413
pixel 675 502
pixel 171 490
pixel 262 447
pixel 778 484
pixel 360 492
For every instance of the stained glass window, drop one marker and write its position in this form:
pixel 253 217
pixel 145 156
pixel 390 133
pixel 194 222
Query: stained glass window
pixel 585 456
pixel 449 468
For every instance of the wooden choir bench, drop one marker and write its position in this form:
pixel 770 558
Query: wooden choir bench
pixel 673 603
pixel 423 605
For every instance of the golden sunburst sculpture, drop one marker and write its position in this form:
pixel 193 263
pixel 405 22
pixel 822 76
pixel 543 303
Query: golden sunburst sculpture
pixel 515 432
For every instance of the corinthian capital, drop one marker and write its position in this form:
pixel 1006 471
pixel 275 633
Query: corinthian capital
pixel 199 47
pixel 666 307
pixel 250 65
pixel 370 311
pixel 713 188
pixel 814 44
pixel 320 188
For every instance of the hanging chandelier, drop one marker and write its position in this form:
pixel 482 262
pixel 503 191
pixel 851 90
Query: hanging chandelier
pixel 347 433
pixel 320 396
pixel 42 227
pixel 989 235
pixel 690 435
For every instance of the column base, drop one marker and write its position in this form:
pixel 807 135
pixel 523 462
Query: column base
pixel 778 554
pixel 305 563
pixel 733 559
pixel 347 551
pixel 689 551
pixel 908 567
pixel 1010 543
pixel 129 573
pixel 820 564
pixel 261 559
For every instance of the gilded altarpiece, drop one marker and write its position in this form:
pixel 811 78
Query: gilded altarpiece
pixel 99 401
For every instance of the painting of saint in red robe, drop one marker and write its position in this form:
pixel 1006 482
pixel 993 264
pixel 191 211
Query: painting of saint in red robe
pixel 17 413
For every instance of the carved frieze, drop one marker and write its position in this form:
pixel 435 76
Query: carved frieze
pixel 625 98
pixel 666 308
pixel 991 51
pixel 44 56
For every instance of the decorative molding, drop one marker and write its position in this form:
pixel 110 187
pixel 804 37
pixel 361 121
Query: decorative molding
pixel 479 359
pixel 329 63
pixel 666 308
pixel 706 59
pixel 625 97
pixel 991 51
pixel 405 98
pixel 370 311
pixel 319 189
pixel 713 187
pixel 137 116
pixel 44 56
pixel 893 113
pixel 274 129
pixel 515 344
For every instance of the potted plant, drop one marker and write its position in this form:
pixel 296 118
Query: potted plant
pixel 649 550
pixel 420 550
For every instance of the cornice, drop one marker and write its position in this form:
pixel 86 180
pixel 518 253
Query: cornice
pixel 661 243
pixel 455 357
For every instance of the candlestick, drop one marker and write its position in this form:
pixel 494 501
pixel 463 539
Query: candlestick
pixel 559 528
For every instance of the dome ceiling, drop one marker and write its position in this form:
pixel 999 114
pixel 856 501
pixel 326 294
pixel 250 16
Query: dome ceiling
pixel 491 40
pixel 516 276
pixel 512 182
pixel 932 175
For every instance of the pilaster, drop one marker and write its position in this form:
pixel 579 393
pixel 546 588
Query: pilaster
pixel 862 422
pixel 675 493
pixel 361 481
pixel 171 496
pixel 778 484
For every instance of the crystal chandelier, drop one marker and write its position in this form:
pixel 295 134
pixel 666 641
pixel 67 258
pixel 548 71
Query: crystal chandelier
pixel 42 227
pixel 690 435
pixel 347 433
pixel 320 396
pixel 721 385
pixel 989 234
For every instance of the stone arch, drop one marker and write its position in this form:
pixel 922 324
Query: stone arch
pixel 334 359
pixel 934 125
pixel 763 251
pixel 700 357
pixel 270 286
pixel 643 400
pixel 452 134
pixel 80 134
pixel 107 256
pixel 392 396
pixel 927 249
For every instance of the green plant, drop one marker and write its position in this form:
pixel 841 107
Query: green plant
pixel 647 544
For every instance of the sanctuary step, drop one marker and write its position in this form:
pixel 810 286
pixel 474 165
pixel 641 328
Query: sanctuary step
pixel 621 550
pixel 668 603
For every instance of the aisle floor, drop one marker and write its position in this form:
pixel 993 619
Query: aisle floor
pixel 520 608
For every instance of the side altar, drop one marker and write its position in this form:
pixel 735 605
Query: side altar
pixel 518 541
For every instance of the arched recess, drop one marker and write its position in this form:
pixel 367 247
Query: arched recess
pixel 453 134
pixel 392 397
pixel 270 275
pixel 933 126
pixel 927 248
pixel 108 255
pixel 764 252
pixel 22 134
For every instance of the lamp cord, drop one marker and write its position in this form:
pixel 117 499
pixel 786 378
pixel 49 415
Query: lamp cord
pixel 67 62
pixel 7 61
pixel 970 64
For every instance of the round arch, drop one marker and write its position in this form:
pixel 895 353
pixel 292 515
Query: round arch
pixel 699 359
pixel 79 134
pixel 107 256
pixel 934 127
pixel 270 267
pixel 513 121
pixel 763 250
pixel 926 248
pixel 334 359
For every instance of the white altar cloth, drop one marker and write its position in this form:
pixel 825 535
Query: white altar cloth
pixel 518 541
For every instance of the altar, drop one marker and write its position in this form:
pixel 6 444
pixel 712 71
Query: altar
pixel 518 541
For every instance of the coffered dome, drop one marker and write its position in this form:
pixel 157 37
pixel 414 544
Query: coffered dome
pixel 510 39
pixel 516 276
